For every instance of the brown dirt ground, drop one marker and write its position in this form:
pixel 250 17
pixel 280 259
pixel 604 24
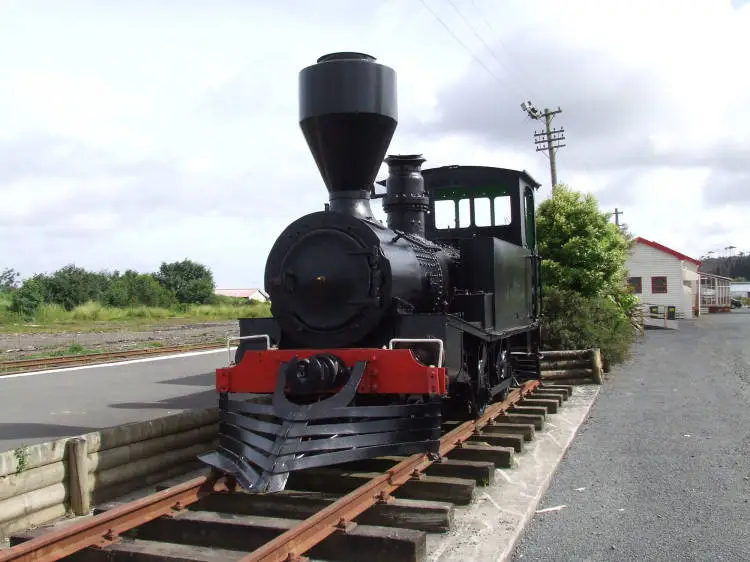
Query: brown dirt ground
pixel 15 346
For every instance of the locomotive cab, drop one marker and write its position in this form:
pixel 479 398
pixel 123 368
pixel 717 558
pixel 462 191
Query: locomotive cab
pixel 489 214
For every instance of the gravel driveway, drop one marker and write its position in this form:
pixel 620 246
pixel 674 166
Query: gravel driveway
pixel 16 346
pixel 661 470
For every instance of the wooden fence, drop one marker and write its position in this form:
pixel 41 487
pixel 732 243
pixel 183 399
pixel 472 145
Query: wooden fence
pixel 572 366
pixel 46 481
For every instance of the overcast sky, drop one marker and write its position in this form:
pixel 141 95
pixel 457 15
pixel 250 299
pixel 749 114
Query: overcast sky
pixel 146 131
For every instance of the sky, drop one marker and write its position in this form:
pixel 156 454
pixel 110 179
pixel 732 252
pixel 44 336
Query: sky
pixel 140 132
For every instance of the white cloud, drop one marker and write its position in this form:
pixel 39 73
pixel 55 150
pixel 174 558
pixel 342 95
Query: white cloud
pixel 148 131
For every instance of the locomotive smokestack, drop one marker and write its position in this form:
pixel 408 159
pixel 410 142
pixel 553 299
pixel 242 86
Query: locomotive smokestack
pixel 348 114
pixel 406 201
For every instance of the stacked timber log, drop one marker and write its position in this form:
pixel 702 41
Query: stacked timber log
pixel 46 481
pixel 572 366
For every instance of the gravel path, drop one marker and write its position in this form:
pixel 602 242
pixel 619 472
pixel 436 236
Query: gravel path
pixel 15 346
pixel 661 469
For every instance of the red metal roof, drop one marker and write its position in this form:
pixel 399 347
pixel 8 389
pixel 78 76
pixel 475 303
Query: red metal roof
pixel 675 253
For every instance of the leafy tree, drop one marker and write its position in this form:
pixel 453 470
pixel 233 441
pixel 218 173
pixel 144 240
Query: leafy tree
pixel 582 250
pixel 29 297
pixel 190 282
pixel 71 286
pixel 9 279
pixel 133 289
pixel 586 299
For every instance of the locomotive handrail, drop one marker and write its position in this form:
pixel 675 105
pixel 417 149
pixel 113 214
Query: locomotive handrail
pixel 253 337
pixel 421 340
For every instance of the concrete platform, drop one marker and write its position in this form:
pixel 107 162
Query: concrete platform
pixel 488 529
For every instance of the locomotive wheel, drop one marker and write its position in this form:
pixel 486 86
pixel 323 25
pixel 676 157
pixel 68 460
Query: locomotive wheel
pixel 481 391
pixel 503 370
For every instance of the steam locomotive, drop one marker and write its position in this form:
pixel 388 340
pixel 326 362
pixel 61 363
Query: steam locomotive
pixel 378 332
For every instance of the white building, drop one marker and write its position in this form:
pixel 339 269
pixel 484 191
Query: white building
pixel 664 278
pixel 740 289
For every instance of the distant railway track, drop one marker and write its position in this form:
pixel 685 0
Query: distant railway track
pixel 25 365
pixel 365 511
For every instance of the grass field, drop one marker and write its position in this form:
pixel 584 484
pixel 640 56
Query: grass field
pixel 93 316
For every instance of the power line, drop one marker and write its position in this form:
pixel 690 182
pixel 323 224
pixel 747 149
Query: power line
pixel 476 34
pixel 424 3
pixel 499 39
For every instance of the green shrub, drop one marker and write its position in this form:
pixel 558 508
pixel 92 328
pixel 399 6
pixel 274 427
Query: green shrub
pixel 574 321
pixel 132 289
pixel 26 300
pixel 190 282
pixel 178 290
pixel 586 302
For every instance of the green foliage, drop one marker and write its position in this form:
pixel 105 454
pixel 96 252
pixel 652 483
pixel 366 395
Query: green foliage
pixel 133 289
pixel 76 294
pixel 94 316
pixel 736 267
pixel 586 300
pixel 576 321
pixel 71 286
pixel 8 280
pixel 26 300
pixel 582 250
pixel 189 281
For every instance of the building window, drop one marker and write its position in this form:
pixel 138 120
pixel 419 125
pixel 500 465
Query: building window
pixel 635 284
pixel 658 285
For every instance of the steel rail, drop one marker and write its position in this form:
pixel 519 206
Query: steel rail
pixel 105 528
pixel 18 365
pixel 290 545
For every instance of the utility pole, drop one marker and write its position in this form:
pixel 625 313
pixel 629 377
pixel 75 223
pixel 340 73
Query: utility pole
pixel 617 214
pixel 548 140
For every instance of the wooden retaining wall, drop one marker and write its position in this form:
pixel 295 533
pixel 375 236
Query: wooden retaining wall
pixel 47 481
pixel 572 366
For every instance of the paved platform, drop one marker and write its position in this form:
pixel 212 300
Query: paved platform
pixel 38 407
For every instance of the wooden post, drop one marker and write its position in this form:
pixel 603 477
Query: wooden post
pixel 78 476
pixel 596 365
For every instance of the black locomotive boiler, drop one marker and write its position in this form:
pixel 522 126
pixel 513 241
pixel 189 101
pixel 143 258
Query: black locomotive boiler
pixel 379 331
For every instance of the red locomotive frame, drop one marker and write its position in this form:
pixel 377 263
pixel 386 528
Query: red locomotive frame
pixel 387 371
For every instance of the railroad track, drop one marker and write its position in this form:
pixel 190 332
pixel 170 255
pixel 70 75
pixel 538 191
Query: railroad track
pixel 25 365
pixel 374 510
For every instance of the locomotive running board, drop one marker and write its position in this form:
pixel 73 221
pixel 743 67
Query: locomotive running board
pixel 260 444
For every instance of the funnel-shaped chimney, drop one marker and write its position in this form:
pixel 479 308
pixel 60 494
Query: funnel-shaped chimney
pixel 348 114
